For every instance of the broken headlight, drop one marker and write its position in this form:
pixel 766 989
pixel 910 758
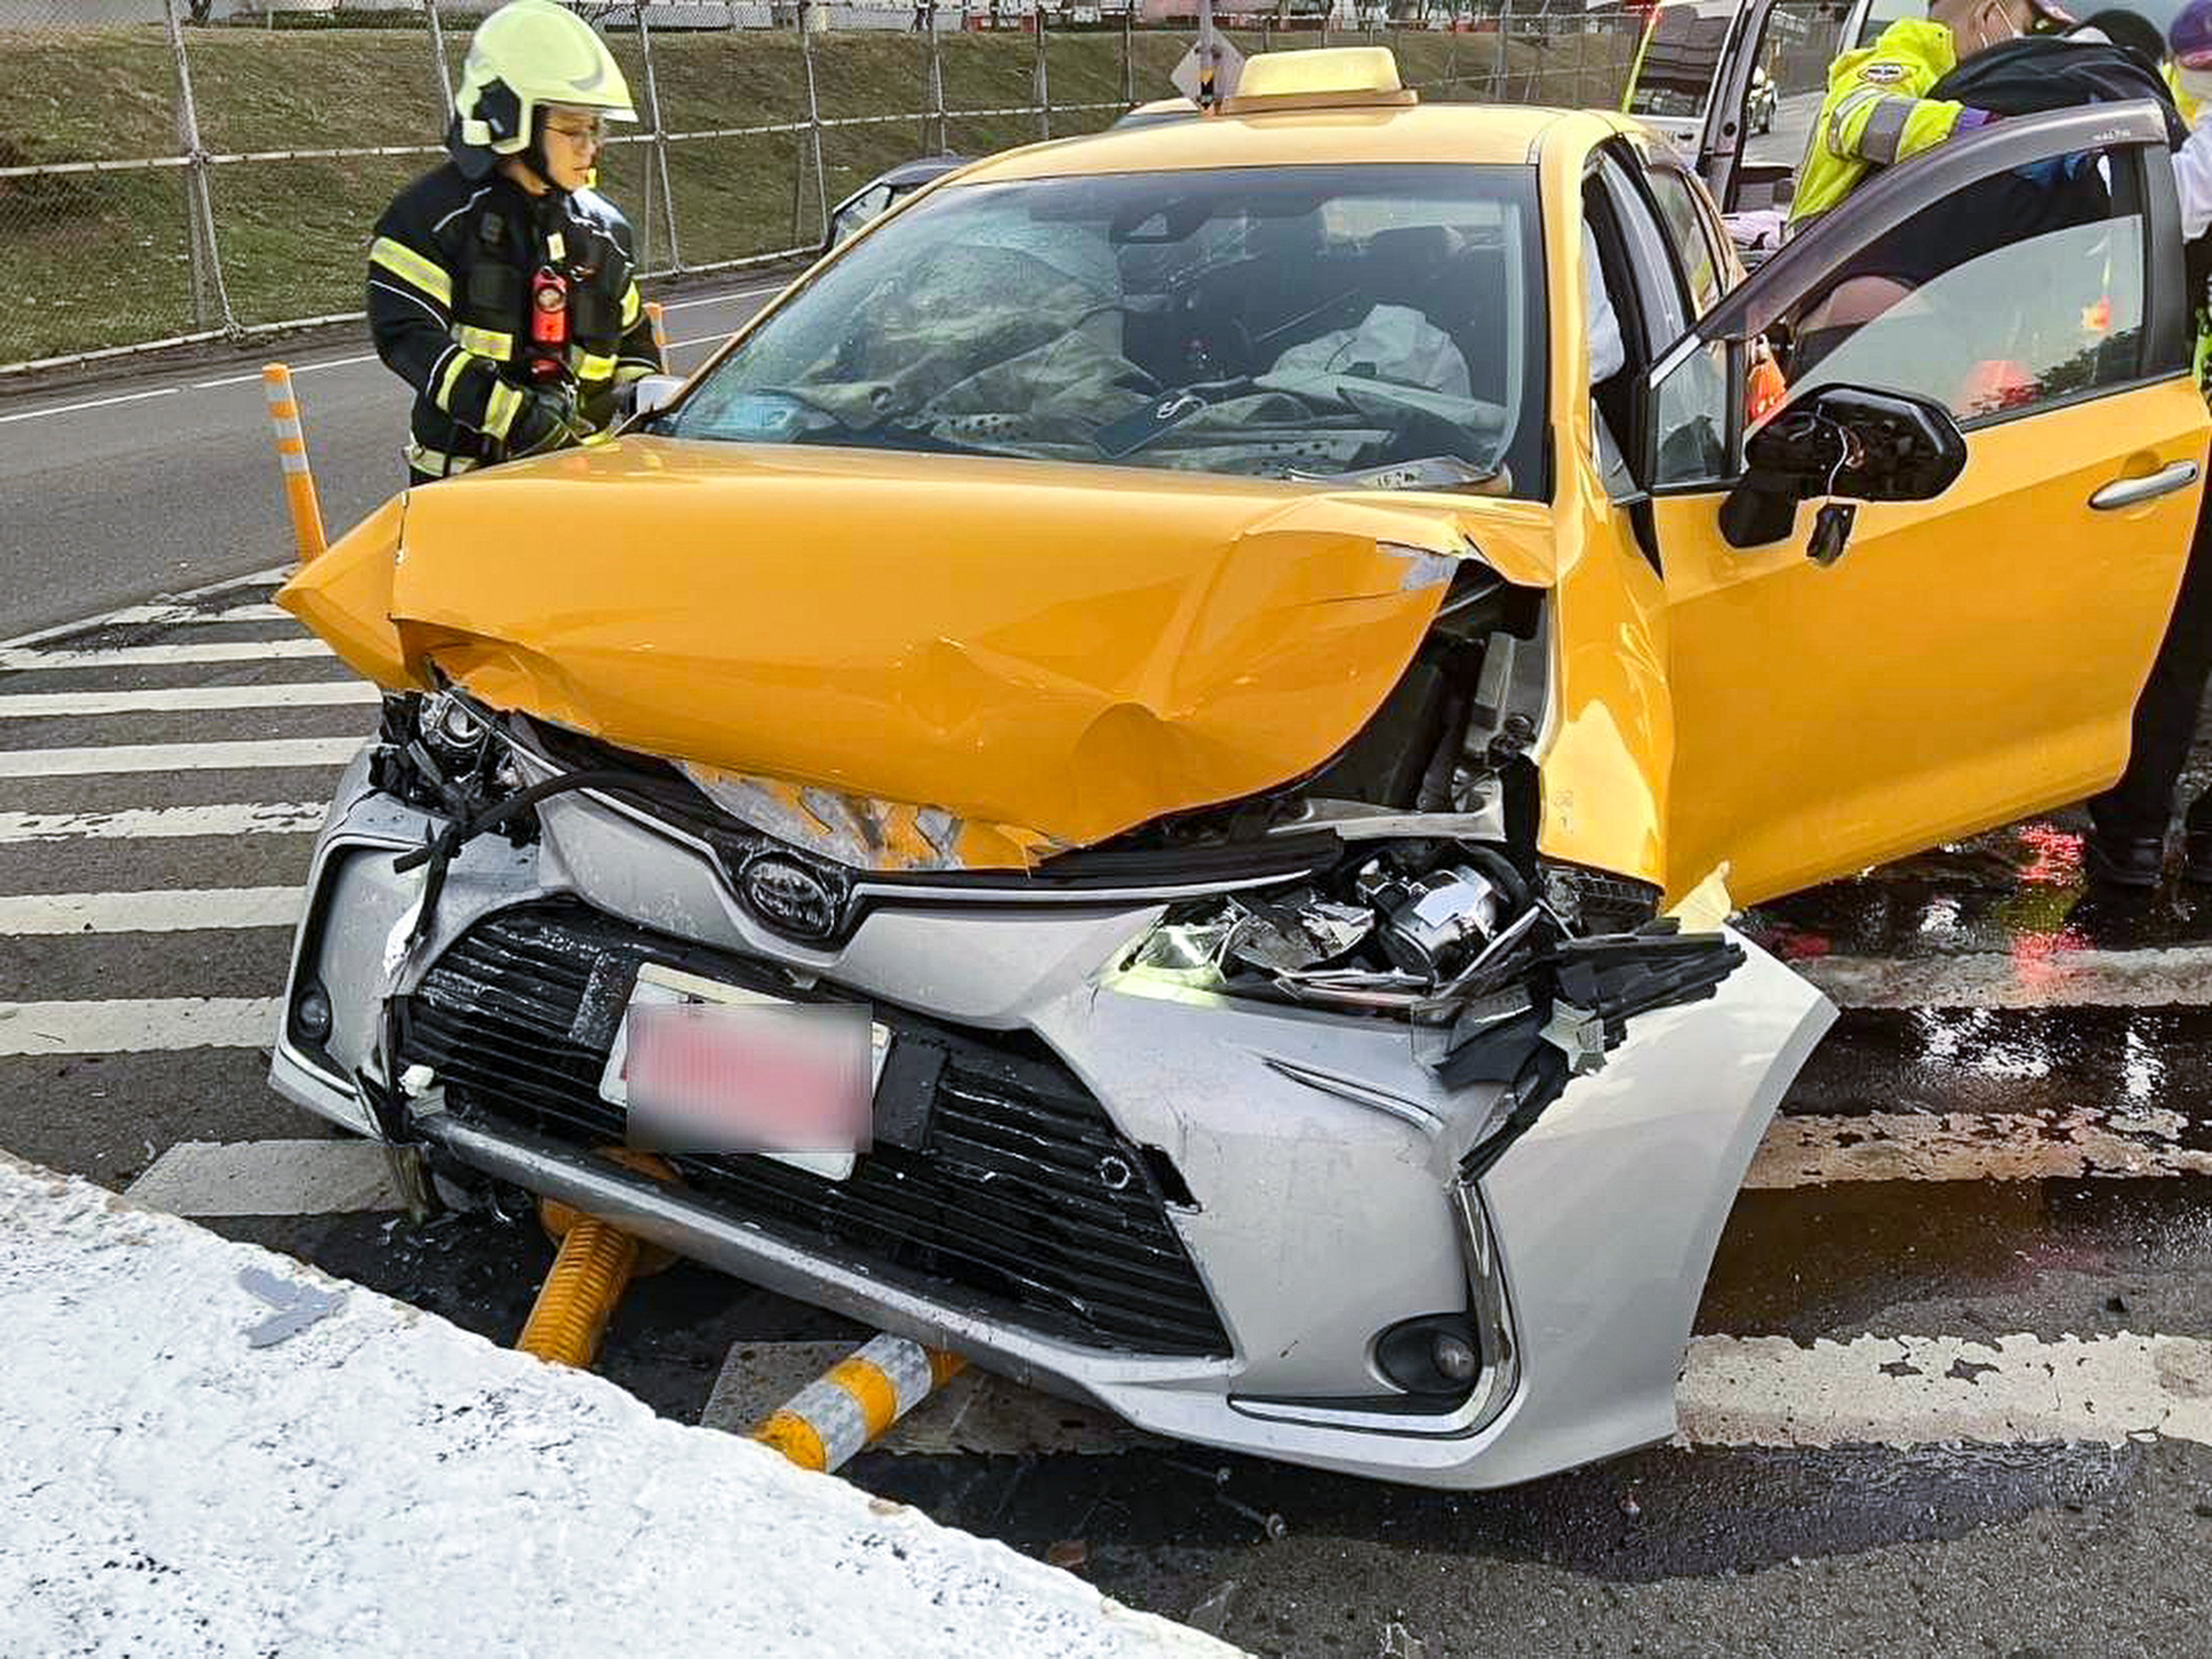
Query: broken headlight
pixel 1496 984
pixel 441 753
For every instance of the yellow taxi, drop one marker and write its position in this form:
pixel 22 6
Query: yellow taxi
pixel 1247 660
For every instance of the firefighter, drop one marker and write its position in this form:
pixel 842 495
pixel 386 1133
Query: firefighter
pixel 1877 111
pixel 502 287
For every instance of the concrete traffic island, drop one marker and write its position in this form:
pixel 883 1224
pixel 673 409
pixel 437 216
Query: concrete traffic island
pixel 206 1448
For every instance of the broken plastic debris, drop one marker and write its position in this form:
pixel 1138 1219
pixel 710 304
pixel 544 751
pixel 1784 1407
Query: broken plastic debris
pixel 1295 935
pixel 1579 1034
pixel 297 1305
pixel 1707 905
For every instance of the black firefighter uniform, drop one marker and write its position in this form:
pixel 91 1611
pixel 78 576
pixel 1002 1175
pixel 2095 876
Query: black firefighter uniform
pixel 451 275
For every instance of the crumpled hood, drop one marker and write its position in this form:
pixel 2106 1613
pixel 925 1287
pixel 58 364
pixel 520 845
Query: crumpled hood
pixel 1015 656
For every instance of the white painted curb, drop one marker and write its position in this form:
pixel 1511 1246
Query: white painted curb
pixel 380 1482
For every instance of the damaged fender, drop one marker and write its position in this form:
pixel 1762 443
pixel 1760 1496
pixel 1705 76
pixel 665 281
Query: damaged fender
pixel 1608 1210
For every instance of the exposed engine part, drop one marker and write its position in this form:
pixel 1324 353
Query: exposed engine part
pixel 1431 923
pixel 1497 984
pixel 1390 990
pixel 1596 901
pixel 1356 820
pixel 1508 691
pixel 442 753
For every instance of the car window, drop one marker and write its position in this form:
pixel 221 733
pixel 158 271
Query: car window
pixel 1689 417
pixel 1686 230
pixel 1651 260
pixel 857 212
pixel 1383 326
pixel 2011 294
pixel 1673 73
pixel 2018 291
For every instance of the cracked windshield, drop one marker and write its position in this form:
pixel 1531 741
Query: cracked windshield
pixel 1353 326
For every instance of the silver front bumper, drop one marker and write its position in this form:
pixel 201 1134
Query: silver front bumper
pixel 1320 1156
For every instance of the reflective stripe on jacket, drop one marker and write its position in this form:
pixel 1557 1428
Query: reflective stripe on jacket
pixel 1873 113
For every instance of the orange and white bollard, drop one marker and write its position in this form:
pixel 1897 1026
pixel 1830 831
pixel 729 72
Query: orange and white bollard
pixel 292 456
pixel 658 315
pixel 593 1267
pixel 856 1400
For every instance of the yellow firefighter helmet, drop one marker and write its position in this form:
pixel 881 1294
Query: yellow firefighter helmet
pixel 527 55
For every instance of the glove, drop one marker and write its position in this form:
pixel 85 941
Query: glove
pixel 546 421
pixel 1970 119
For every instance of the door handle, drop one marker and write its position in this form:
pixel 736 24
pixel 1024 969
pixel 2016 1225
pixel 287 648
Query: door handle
pixel 2129 492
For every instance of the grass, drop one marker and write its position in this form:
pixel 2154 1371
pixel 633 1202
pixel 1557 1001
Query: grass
pixel 91 261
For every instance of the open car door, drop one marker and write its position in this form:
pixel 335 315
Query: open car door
pixel 1750 148
pixel 1851 683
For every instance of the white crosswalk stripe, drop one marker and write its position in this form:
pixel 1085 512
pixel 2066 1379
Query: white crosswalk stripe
pixel 1823 1150
pixel 160 700
pixel 161 656
pixel 164 822
pixel 161 910
pixel 133 1026
pixel 177 758
pixel 189 615
pixel 268 1177
pixel 1909 1390
pixel 237 590
pixel 2179 976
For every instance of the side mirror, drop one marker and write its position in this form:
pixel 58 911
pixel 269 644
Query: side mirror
pixel 1842 440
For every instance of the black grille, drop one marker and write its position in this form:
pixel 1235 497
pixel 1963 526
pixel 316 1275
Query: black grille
pixel 1026 1203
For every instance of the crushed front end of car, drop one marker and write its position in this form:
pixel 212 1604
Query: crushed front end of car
pixel 1245 1068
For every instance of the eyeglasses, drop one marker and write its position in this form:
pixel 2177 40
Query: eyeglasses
pixel 579 132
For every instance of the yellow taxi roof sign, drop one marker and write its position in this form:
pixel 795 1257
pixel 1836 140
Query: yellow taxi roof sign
pixel 1348 76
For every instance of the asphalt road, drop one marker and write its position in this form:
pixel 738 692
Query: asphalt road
pixel 111 492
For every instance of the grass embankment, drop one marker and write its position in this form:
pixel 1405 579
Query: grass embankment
pixel 92 260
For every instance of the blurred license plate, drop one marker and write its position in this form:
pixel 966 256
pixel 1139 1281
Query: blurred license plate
pixel 702 1067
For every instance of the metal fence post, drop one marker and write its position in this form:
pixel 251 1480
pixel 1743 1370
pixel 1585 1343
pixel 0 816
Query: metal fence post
pixel 813 117
pixel 932 74
pixel 438 56
pixel 660 143
pixel 207 258
pixel 1129 54
pixel 1040 78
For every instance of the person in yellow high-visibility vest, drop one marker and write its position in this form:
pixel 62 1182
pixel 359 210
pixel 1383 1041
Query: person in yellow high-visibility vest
pixel 1876 111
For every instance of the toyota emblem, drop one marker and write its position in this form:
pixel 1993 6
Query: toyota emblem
pixel 790 897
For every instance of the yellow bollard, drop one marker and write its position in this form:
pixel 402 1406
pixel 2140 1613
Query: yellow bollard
pixel 596 1262
pixel 658 315
pixel 856 1400
pixel 292 456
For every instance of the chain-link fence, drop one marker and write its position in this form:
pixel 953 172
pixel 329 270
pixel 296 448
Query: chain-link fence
pixel 173 171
